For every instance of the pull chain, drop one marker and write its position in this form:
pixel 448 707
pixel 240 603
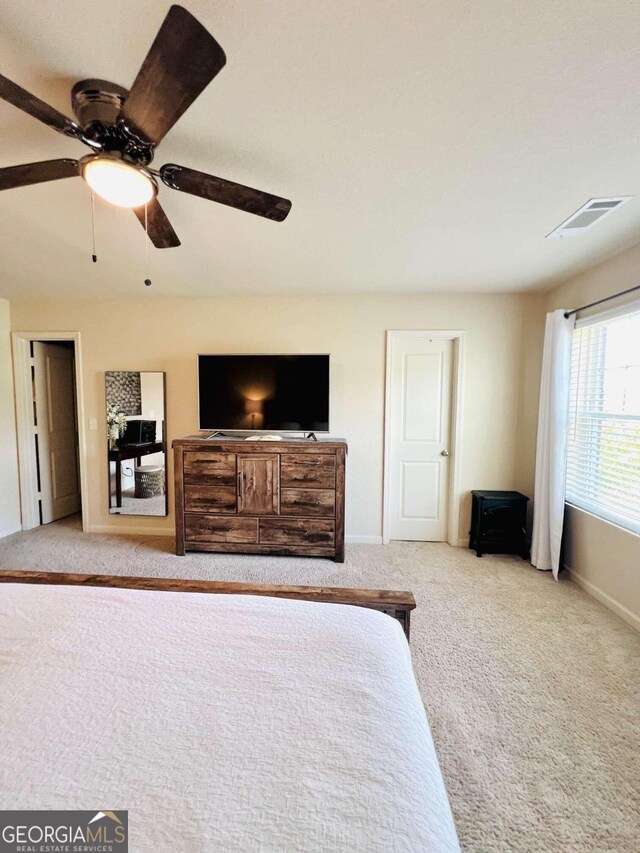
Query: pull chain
pixel 147 280
pixel 94 256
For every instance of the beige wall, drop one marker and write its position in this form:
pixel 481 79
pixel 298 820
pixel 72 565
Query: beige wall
pixel 530 366
pixel 602 557
pixel 166 334
pixel 504 336
pixel 152 393
pixel 9 494
pixel 618 273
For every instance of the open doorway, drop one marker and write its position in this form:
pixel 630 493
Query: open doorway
pixel 49 421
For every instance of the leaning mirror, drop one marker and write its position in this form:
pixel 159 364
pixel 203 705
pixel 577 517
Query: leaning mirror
pixel 136 439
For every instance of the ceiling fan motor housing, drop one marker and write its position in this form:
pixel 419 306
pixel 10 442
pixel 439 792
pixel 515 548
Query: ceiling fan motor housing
pixel 97 105
pixel 97 101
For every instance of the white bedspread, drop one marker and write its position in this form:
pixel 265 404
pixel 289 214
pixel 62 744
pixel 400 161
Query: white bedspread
pixel 222 723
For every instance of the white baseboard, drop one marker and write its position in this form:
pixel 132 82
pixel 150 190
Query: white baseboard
pixel 7 531
pixel 632 618
pixel 354 539
pixel 131 531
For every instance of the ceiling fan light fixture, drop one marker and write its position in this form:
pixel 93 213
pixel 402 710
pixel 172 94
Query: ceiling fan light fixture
pixel 117 182
pixel 124 127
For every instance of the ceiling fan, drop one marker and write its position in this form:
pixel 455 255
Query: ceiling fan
pixel 124 127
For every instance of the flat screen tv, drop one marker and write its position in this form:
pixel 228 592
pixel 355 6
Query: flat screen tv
pixel 264 393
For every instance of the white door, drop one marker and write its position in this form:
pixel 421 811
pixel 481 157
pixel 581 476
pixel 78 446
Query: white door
pixel 56 429
pixel 420 373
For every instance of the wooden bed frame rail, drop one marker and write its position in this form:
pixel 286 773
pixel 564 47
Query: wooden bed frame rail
pixel 393 602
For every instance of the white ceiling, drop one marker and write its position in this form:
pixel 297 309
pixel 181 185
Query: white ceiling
pixel 427 145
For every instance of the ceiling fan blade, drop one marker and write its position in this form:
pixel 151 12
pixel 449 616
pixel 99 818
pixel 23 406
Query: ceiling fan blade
pixel 37 173
pixel 225 192
pixel 183 59
pixel 28 103
pixel 159 228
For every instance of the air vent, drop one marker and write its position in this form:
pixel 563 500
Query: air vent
pixel 590 213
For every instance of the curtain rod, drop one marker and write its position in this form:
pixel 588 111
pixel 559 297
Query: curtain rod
pixel 568 314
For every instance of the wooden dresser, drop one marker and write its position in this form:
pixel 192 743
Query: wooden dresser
pixel 260 497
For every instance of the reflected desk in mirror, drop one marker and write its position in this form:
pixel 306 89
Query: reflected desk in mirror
pixel 136 435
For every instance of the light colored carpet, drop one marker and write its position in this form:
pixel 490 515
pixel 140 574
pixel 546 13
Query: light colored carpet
pixel 531 686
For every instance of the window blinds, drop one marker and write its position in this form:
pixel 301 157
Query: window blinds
pixel 603 448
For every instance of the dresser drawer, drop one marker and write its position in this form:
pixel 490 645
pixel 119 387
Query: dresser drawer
pixel 308 502
pixel 210 498
pixel 210 469
pixel 297 531
pixel 315 470
pixel 209 528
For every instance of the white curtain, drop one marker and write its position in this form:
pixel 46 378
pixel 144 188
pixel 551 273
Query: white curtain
pixel 551 454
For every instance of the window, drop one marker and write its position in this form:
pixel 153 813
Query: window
pixel 603 448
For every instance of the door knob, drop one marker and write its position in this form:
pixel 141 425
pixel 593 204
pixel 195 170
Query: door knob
pixel 444 453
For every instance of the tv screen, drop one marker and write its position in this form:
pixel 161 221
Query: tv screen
pixel 278 393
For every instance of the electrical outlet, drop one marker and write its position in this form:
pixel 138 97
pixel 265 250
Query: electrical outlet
pixel 93 423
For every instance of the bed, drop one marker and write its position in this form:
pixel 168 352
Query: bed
pixel 226 722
